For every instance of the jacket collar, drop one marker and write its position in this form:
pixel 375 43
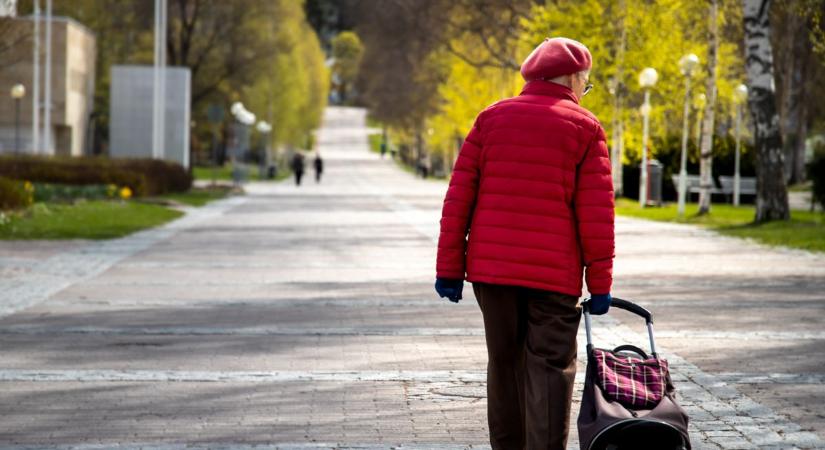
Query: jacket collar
pixel 549 88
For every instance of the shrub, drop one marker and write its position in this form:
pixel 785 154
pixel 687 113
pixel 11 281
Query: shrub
pixel 15 194
pixel 48 192
pixel 142 176
pixel 816 172
pixel 161 176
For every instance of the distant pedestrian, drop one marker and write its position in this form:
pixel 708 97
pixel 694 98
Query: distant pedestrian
pixel 528 209
pixel 423 166
pixel 298 167
pixel 319 167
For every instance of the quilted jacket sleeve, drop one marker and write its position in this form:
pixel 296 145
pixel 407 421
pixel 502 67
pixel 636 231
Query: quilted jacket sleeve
pixel 458 208
pixel 594 207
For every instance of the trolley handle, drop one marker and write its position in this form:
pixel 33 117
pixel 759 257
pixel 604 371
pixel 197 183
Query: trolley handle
pixel 627 306
pixel 632 307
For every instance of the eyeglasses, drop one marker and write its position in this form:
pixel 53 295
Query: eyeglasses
pixel 587 88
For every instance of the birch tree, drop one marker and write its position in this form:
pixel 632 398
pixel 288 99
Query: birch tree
pixel 618 98
pixel 706 149
pixel 771 193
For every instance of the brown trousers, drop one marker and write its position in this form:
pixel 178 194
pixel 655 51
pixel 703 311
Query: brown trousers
pixel 531 349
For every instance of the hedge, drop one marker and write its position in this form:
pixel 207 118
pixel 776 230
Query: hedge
pixel 142 176
pixel 49 192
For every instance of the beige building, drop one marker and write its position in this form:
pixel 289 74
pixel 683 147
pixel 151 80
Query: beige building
pixel 72 81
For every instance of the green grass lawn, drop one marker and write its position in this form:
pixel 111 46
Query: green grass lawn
pixel 224 173
pixel 805 230
pixel 99 219
pixel 375 142
pixel 198 196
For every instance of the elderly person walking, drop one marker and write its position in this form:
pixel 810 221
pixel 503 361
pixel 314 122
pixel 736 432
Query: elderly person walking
pixel 529 209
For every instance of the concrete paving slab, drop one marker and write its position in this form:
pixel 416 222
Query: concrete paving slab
pixel 304 317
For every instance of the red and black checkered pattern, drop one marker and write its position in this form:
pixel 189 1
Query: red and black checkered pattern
pixel 632 381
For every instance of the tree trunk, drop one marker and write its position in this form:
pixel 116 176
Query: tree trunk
pixel 706 149
pixel 771 193
pixel 791 63
pixel 800 170
pixel 618 120
pixel 796 148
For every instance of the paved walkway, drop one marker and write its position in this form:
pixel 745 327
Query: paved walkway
pixel 304 318
pixel 802 201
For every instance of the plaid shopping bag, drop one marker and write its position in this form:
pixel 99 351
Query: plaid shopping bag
pixel 632 381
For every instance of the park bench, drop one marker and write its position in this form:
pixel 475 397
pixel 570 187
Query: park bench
pixel 747 185
pixel 694 185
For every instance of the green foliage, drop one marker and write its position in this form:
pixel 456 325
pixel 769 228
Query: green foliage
pixel 814 11
pixel 816 172
pixel 49 192
pixel 119 27
pixel 375 142
pixel 261 52
pixel 401 70
pixel 347 51
pixel 84 220
pixel 224 173
pixel 658 33
pixel 142 176
pixel 292 94
pixel 465 92
pixel 14 194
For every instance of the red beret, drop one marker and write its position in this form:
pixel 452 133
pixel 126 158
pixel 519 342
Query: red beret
pixel 556 57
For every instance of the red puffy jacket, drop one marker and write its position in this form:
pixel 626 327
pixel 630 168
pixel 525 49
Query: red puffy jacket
pixel 532 188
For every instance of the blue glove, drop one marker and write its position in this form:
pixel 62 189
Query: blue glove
pixel 449 288
pixel 600 303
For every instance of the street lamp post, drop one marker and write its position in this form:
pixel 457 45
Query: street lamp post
pixel 36 78
pixel 647 79
pixel 687 64
pixel 244 119
pixel 18 91
pixel 159 82
pixel 46 142
pixel 740 94
pixel 264 128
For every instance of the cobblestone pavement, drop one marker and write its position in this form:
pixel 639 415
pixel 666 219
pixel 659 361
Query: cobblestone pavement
pixel 304 318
